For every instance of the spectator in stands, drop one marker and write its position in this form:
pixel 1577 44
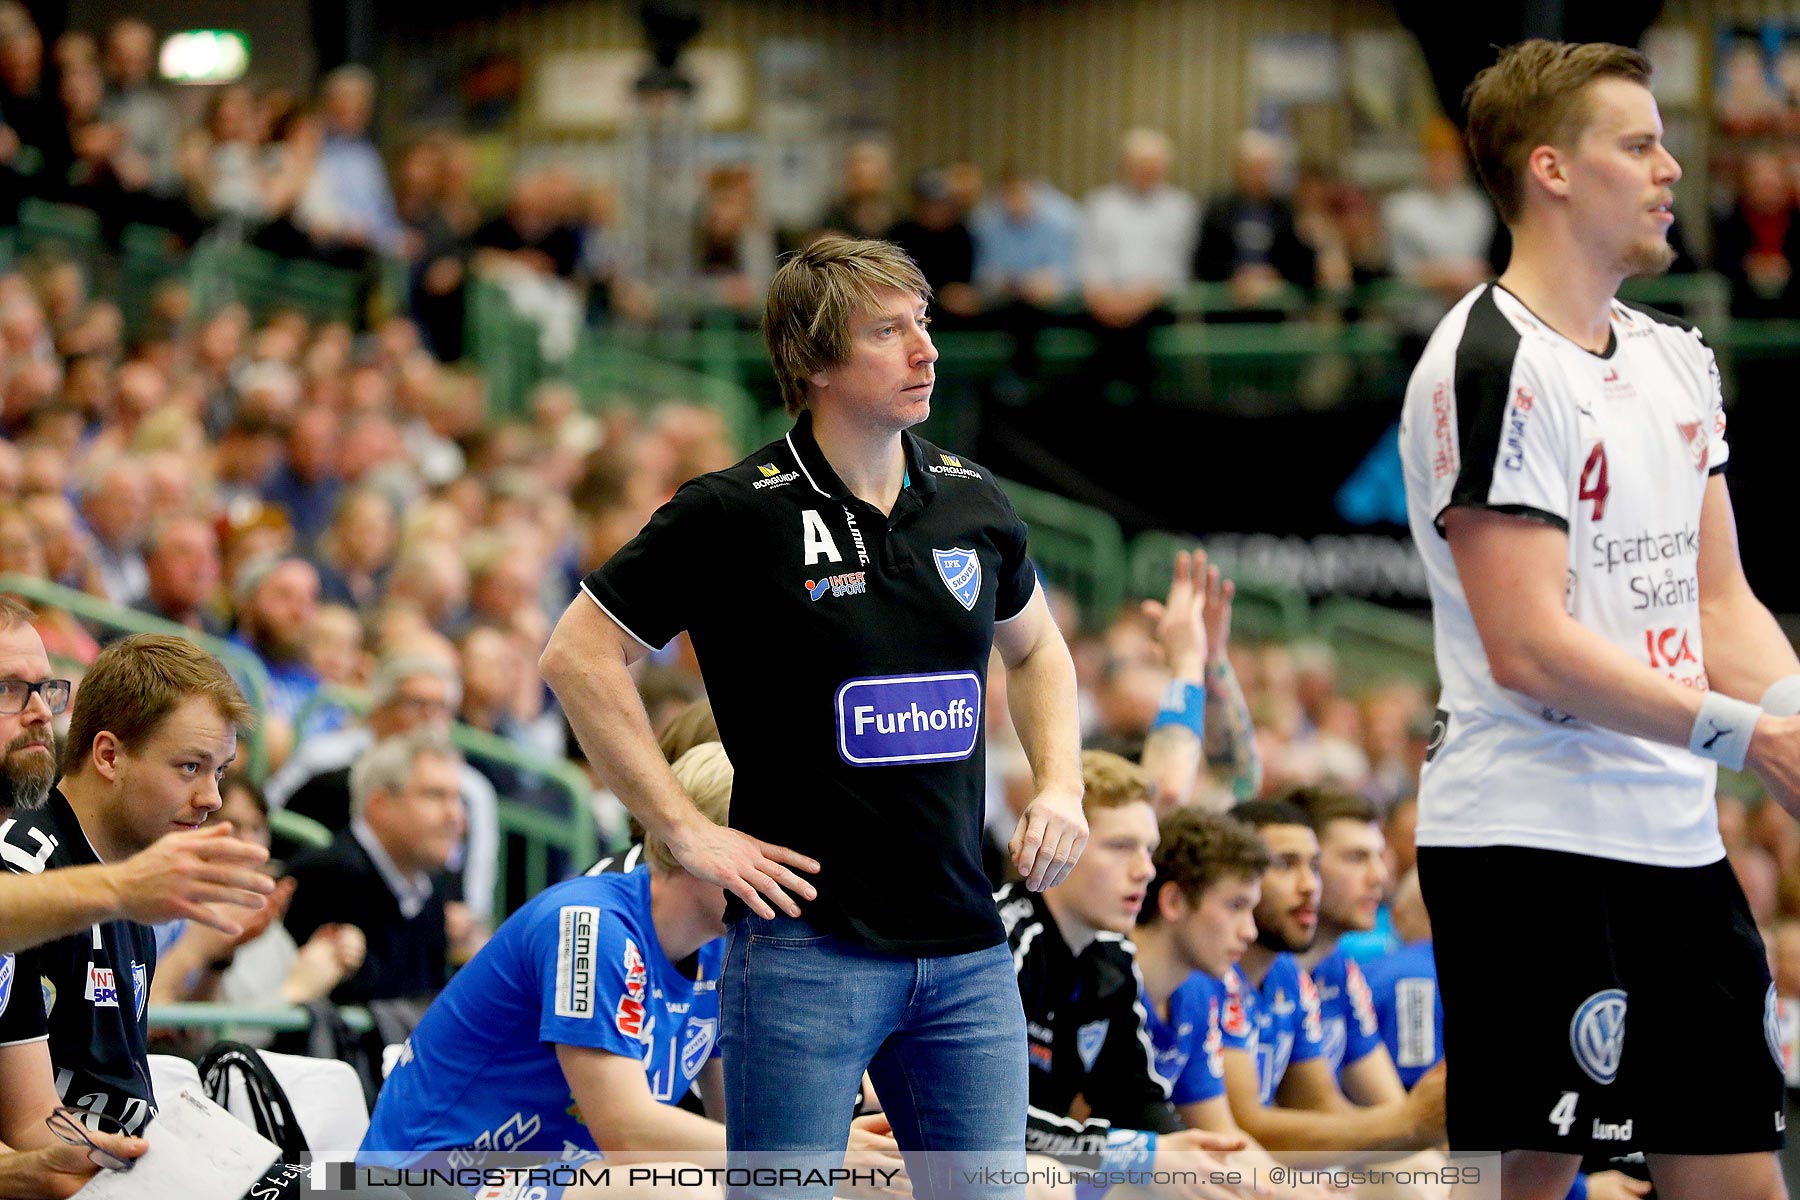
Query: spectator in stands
pixel 1025 243
pixel 385 873
pixel 1249 238
pixel 1025 246
pixel 1137 246
pixel 534 232
pixel 69 557
pixel 506 571
pixel 735 246
pixel 260 966
pixel 1338 220
pixel 181 563
pixel 347 208
pixel 439 221
pixel 865 209
pixel 1744 101
pixel 1757 244
pixel 1439 231
pixel 114 503
pixel 431 576
pixel 408 693
pixel 22 551
pixel 307 485
pixel 275 599
pixel 140 107
pixel 33 144
pixel 1281 1087
pixel 531 251
pixel 151 732
pixel 936 238
pixel 248 452
pixel 356 551
pixel 223 164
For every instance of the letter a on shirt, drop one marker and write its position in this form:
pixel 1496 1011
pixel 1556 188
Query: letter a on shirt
pixel 817 538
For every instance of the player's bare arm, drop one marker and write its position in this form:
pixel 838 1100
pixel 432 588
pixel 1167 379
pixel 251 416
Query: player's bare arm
pixel 586 664
pixel 1172 751
pixel 1408 1125
pixel 1215 1115
pixel 1513 571
pixel 199 876
pixel 1041 689
pixel 27 1095
pixel 614 1097
pixel 1372 1079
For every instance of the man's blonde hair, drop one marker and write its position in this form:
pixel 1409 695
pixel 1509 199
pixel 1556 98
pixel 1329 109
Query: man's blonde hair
pixel 814 297
pixel 136 683
pixel 705 775
pixel 1534 96
pixel 1109 781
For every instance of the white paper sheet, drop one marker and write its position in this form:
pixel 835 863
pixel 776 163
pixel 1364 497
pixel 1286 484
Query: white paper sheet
pixel 198 1151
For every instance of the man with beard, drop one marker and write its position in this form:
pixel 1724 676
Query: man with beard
pixel 277 598
pixel 198 876
pixel 1280 1085
pixel 154 729
pixel 1352 884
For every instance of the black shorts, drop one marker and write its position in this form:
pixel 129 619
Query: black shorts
pixel 1540 957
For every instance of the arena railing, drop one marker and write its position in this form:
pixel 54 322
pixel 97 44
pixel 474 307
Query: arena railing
pixel 244 666
pixel 218 271
pixel 549 846
pixel 289 1019
pixel 1077 548
pixel 299 829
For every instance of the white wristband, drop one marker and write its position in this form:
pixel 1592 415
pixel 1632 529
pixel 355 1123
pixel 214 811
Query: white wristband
pixel 1783 697
pixel 1722 729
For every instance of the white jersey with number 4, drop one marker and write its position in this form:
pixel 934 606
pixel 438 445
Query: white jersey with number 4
pixel 1615 450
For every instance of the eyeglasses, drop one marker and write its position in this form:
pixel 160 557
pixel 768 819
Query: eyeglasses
pixel 69 1125
pixel 15 694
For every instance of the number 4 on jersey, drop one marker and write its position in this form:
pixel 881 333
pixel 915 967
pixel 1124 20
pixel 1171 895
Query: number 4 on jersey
pixel 1563 1115
pixel 1593 480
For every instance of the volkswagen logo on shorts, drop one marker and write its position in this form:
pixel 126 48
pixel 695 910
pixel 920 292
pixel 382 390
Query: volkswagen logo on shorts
pixel 1597 1034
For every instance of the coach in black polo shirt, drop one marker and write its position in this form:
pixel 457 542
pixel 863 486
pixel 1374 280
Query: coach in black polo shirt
pixel 843 588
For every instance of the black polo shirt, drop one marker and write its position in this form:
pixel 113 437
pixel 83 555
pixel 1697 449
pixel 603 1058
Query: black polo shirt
pixel 87 991
pixel 845 653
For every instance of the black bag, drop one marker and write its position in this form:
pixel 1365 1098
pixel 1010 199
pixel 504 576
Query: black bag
pixel 233 1063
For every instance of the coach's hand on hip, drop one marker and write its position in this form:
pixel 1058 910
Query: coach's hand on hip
pixel 1049 838
pixel 744 866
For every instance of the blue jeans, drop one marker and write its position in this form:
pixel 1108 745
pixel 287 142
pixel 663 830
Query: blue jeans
pixel 803 1013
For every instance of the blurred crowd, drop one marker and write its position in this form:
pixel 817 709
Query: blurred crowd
pixel 86 121
pixel 332 499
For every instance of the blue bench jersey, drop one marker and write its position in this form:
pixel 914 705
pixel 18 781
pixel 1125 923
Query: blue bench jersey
pixel 1189 1049
pixel 1347 1008
pixel 1279 1023
pixel 1408 1009
pixel 579 965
